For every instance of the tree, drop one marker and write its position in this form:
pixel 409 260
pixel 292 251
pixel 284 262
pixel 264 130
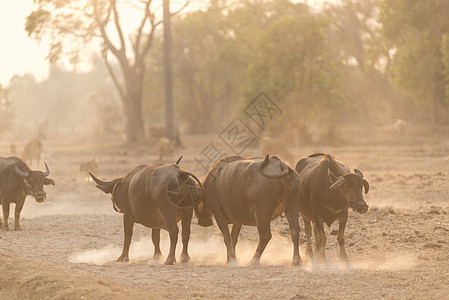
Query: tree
pixel 209 67
pixel 5 109
pixel 294 64
pixel 416 32
pixel 71 25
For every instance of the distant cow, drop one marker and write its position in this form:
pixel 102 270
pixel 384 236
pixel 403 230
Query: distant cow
pixel 156 196
pixel 13 149
pixel 16 182
pixel 327 190
pixel 250 191
pixel 276 147
pixel 400 126
pixel 89 166
pixel 32 151
pixel 165 148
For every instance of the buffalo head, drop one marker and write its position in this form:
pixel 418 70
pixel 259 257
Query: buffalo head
pixel 35 181
pixel 350 186
pixel 204 215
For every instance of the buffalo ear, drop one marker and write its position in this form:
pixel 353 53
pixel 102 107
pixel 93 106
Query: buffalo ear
pixel 358 172
pixel 108 188
pixel 366 186
pixel 48 181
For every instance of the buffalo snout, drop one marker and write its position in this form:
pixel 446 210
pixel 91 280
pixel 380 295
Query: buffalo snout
pixel 40 197
pixel 205 222
pixel 361 207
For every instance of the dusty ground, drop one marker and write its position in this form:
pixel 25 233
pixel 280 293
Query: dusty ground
pixel 399 249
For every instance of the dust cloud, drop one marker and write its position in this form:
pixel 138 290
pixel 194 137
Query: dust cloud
pixel 67 204
pixel 202 252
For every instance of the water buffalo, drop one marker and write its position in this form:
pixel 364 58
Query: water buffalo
pixel 32 151
pixel 250 191
pixel 156 196
pixel 16 182
pixel 327 190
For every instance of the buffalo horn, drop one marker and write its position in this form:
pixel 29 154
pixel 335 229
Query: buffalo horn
pixel 179 159
pixel 47 170
pixel 332 177
pixel 358 172
pixel 21 173
pixel 99 181
pixel 338 183
pixel 366 186
pixel 192 175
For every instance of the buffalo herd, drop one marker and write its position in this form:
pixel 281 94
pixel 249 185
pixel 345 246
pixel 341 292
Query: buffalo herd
pixel 237 190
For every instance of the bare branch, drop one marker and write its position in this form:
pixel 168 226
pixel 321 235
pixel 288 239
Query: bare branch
pixel 136 43
pixel 149 41
pixel 104 52
pixel 118 27
pixel 102 26
pixel 181 9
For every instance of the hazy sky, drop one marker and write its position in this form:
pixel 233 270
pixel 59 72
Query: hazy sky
pixel 20 54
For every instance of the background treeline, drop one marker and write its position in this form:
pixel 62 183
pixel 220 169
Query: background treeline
pixel 359 63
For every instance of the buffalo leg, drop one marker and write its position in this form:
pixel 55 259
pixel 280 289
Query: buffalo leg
pixel 341 235
pixel 264 237
pixel 5 206
pixel 173 232
pixel 17 210
pixel 320 239
pixel 308 231
pixel 235 234
pixel 185 222
pixel 231 258
pixel 1 224
pixel 128 225
pixel 156 238
pixel 292 218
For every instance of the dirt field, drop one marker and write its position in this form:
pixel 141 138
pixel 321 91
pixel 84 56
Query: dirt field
pixel 399 249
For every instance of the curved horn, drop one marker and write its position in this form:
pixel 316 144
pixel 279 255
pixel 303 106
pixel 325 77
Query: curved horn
pixel 265 162
pixel 21 173
pixel 332 177
pixel 47 170
pixel 191 175
pixel 340 181
pixel 99 181
pixel 179 159
pixel 366 186
pixel 358 172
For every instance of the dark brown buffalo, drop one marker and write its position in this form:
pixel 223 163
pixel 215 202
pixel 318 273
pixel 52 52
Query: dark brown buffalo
pixel 16 182
pixel 250 191
pixel 156 196
pixel 327 190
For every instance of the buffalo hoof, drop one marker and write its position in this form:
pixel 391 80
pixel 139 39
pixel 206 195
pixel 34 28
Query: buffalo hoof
pixel 18 228
pixel 5 227
pixel 185 258
pixel 232 262
pixel 123 259
pixel 169 261
pixel 344 258
pixel 157 257
pixel 296 261
pixel 254 262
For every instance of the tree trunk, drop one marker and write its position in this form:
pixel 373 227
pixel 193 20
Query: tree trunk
pixel 169 111
pixel 134 128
